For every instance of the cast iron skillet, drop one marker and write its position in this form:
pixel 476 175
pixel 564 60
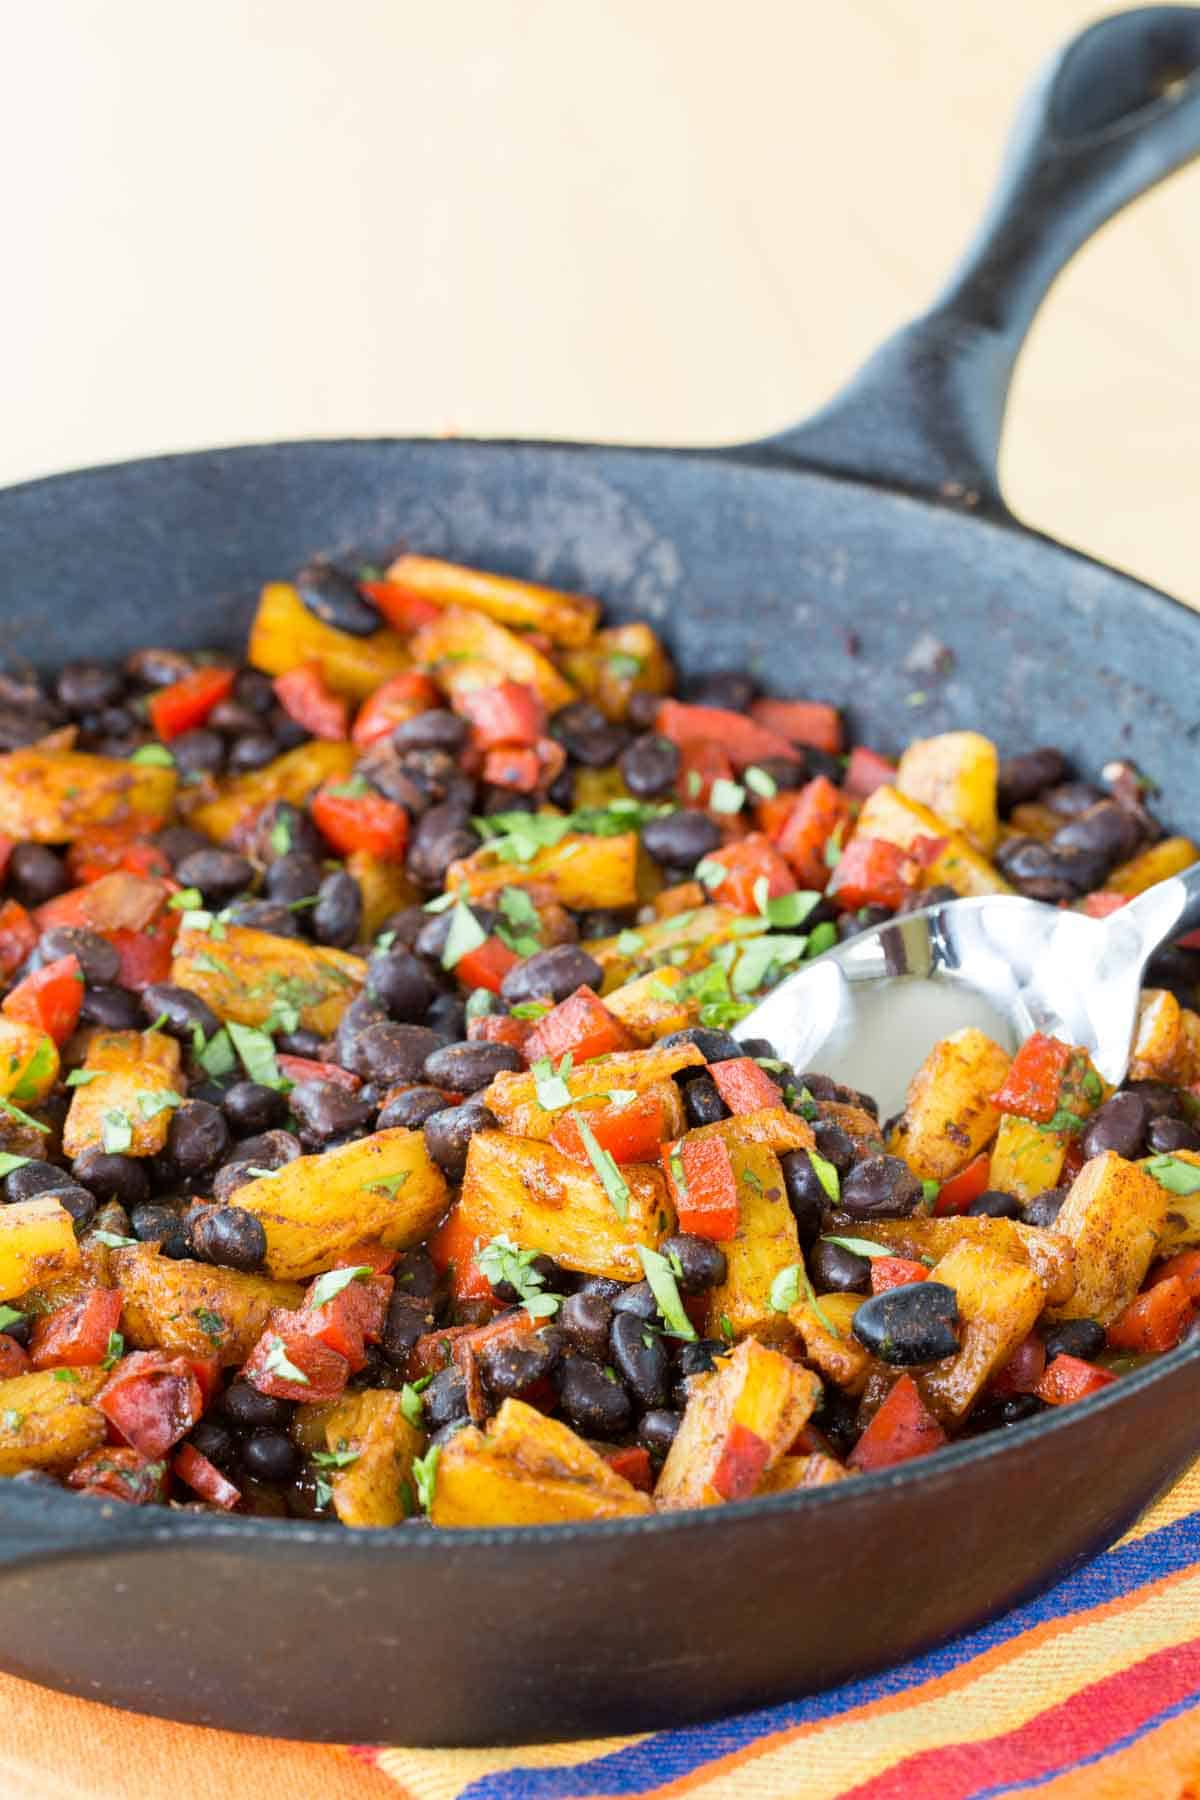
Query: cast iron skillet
pixel 882 514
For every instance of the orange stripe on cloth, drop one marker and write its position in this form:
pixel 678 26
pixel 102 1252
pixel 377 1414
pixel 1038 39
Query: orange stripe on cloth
pixel 54 1747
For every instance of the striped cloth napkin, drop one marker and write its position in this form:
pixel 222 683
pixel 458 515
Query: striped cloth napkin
pixel 1091 1692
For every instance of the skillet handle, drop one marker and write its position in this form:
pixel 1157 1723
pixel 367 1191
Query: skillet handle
pixel 1115 112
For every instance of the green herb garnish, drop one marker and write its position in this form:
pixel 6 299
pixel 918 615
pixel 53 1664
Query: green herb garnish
pixel 607 1172
pixel 665 1288
pixel 501 1260
pixel 327 1287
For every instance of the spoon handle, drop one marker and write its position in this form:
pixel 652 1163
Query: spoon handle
pixel 1167 910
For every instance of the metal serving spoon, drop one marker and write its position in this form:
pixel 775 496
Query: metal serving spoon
pixel 868 1011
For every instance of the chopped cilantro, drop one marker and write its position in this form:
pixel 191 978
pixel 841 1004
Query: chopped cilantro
pixel 521 927
pixel 1172 1173
pixel 411 1403
pixel 529 1009
pixel 389 1184
pixel 277 1362
pixel 11 1421
pixel 710 873
pixel 425 1475
pixel 326 1287
pixel 465 934
pixel 827 1175
pixel 341 1458
pixel 694 784
pixel 726 796
pixel 727 1328
pixel 929 1192
pixel 678 1177
pixel 211 1324
pixel 832 854
pixel 664 1287
pixel 788 1287
pixel 442 903
pixel 607 1172
pixel 114 1350
pixel 760 783
pixel 480 1002
pixel 68 1375
pixel 629 943
pixel 116 1131
pixel 9 1162
pixel 551 1083
pixel 113 1240
pixel 822 937
pixel 256 1053
pixel 502 1261
pixel 785 910
pixel 155 754
pixel 150 1104
pixel 211 965
pixel 280 838
pixel 763 958
pixel 23 1118
pixel 216 1057
pixel 623 665
pixel 353 789
pixel 187 900
pixel 859 1246
pixel 82 1077
pixel 9 1316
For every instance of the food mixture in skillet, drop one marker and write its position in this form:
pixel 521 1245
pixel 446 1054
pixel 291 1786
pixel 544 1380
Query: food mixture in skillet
pixel 374 1144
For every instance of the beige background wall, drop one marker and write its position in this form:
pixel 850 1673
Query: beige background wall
pixel 645 219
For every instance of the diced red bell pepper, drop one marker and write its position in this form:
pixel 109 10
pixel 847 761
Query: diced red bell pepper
pixel 18 935
pixel 306 698
pixel 403 610
pixel 581 1024
pixel 632 1464
pixel 1184 1267
pixel 700 765
pixel 50 998
pixel 872 872
pixel 816 813
pixel 320 1372
pixel 486 965
pixel 511 766
pixel 7 846
pixel 866 771
pixel 152 1399
pixel 510 713
pixel 1102 904
pixel 352 1319
pixel 743 1463
pixel 1031 1087
pixel 750 860
pixel 1023 1370
pixel 13 1359
pixel 956 1194
pixel 367 821
pixel 121 1474
pixel 434 1350
pixel 401 697
pixel 196 1472
pixel 743 740
pixel 1154 1321
pixel 76 1336
pixel 306 1068
pixel 630 1134
pixel 110 847
pixel 902 1429
pixel 706 1200
pixel 119 901
pixel 888 1272
pixel 207 1370
pixel 812 723
pixel 500 1028
pixel 376 1257
pixel 452 1247
pixel 146 956
pixel 187 703
pixel 1068 1378
pixel 743 1086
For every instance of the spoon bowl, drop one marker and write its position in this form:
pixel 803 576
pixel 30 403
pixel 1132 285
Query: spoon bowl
pixel 868 1011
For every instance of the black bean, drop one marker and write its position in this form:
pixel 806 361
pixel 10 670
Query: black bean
pixel 214 1441
pixel 1106 828
pixel 409 1317
pixel 1023 778
pixel 881 1187
pixel 713 1045
pixel 183 1011
pixel 585 1319
pixel 731 689
pixel 232 717
pixel 270 1455
pixel 442 836
pixel 197 1137
pixel 834 1144
pixel 390 1055
pixel 637 1299
pixel 98 962
pixel 219 874
pixel 112 1217
pixel 1039 872
pixel 466 1068
pixel 650 766
pixel 411 1108
pixel 993 1204
pixel 85 687
pixel 263 915
pixel 152 1223
pixel 31 1178
pixel 542 1265
pixel 1165 1136
pixel 449 1132
pixel 552 974
pixel 702 1102
pixel 254 690
pixel 806 1197
pixel 112 1177
pixel 445 1398
pixel 230 1237
pixel 1071 798
pixel 337 916
pixel 1120 1125
pixel 288 733
pixel 36 874
pixel 78 1201
pixel 508 1369
pixel 656 1430
pixel 251 1107
pixel 252 750
pixel 595 1402
pixel 326 1110
pixel 681 839
pixel 917 1323
pixel 269 1150
pixel 1045 1207
pixel 178 841
pixel 254 1411
pixel 293 876
pixel 699 1356
pixel 1162 1101
pixel 113 1008
pixel 701 1263
pixel 1084 1338
pixel 200 752
pixel 836 1270
pixel 587 736
pixel 437 729
pixel 357 1018
pixel 639 1358
pixel 642 710
pixel 401 983
pixel 336 599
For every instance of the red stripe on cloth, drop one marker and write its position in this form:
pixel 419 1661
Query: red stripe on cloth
pixel 1051 1741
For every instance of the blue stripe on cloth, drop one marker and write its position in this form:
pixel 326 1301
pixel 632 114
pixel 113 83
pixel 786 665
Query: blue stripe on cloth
pixel 1083 1762
pixel 669 1755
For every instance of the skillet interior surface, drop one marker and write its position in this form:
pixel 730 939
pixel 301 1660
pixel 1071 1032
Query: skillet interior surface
pixel 769 557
